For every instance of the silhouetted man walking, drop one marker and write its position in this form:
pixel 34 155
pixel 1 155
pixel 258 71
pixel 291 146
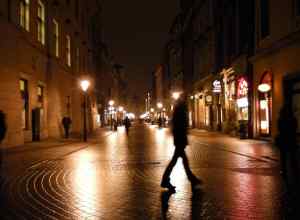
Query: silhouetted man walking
pixel 179 130
pixel 66 121
pixel 127 124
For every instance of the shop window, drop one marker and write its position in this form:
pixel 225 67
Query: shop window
pixel 41 22
pixel 56 37
pixel 264 18
pixel 25 99
pixel 24 8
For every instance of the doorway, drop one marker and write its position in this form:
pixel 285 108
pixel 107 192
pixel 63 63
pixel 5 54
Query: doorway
pixel 36 124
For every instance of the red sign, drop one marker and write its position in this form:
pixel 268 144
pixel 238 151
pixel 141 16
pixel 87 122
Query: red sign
pixel 242 90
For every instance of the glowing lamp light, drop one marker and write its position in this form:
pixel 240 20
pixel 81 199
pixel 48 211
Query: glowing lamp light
pixel 121 109
pixel 264 125
pixel 264 87
pixel 152 110
pixel 263 104
pixel 175 95
pixel 111 102
pixel 159 105
pixel 84 84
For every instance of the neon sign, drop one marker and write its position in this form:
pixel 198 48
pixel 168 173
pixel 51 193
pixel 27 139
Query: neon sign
pixel 242 90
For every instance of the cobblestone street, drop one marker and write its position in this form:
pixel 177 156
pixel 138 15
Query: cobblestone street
pixel 118 177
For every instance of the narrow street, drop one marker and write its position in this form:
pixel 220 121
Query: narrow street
pixel 118 177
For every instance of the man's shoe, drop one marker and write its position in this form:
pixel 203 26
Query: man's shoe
pixel 196 183
pixel 168 185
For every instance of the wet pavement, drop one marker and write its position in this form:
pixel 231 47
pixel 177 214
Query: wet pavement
pixel 118 177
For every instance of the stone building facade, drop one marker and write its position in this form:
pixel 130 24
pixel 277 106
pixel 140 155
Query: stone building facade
pixel 46 47
pixel 275 63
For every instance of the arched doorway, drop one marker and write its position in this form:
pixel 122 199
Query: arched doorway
pixel 265 104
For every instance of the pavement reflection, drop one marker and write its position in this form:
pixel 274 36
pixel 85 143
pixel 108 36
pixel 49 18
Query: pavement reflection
pixel 118 177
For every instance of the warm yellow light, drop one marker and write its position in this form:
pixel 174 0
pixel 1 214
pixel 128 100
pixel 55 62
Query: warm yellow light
pixel 85 84
pixel 121 109
pixel 176 95
pixel 111 102
pixel 263 104
pixel 159 105
pixel 264 87
pixel 152 110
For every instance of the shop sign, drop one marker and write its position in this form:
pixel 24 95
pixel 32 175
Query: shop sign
pixel 242 102
pixel 242 90
pixel 217 88
pixel 208 100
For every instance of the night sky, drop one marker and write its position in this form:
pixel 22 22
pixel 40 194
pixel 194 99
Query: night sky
pixel 136 32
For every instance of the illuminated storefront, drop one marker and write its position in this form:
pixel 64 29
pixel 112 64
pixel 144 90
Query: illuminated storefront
pixel 265 104
pixel 218 114
pixel 242 100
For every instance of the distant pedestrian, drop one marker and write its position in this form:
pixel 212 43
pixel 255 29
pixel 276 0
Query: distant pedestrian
pixel 160 122
pixel 180 131
pixel 66 121
pixel 3 129
pixel 127 124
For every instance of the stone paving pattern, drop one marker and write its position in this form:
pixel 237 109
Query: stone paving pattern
pixel 118 177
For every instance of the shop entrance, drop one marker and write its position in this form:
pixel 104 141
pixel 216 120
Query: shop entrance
pixel 265 104
pixel 296 106
pixel 36 125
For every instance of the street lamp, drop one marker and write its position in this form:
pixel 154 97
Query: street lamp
pixel 176 95
pixel 111 102
pixel 85 84
pixel 159 105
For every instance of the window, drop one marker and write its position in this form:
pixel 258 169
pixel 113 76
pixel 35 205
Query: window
pixel 264 18
pixel 76 9
pixel 68 50
pixel 25 14
pixel 9 10
pixel 41 22
pixel 25 109
pixel 77 59
pixel 298 7
pixel 40 93
pixel 56 37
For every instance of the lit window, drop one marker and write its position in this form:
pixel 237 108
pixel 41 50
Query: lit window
pixel 25 14
pixel 56 37
pixel 25 107
pixel 68 50
pixel 40 93
pixel 41 22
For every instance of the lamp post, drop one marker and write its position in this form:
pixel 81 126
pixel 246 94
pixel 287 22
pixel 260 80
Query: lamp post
pixel 84 86
pixel 111 103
